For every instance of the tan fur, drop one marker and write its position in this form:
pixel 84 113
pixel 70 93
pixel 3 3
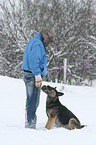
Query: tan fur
pixel 73 124
pixel 50 122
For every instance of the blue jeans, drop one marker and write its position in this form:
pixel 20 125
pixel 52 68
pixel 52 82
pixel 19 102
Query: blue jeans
pixel 33 96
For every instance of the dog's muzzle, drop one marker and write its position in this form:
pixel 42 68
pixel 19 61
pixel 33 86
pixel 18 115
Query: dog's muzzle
pixel 51 92
pixel 45 89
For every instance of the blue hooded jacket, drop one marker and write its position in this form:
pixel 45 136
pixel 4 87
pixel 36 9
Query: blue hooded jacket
pixel 34 58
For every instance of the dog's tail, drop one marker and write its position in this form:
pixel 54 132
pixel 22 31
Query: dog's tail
pixel 82 126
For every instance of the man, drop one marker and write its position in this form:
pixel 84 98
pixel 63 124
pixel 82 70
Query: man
pixel 35 68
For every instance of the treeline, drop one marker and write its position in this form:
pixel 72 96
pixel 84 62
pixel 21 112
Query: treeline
pixel 74 24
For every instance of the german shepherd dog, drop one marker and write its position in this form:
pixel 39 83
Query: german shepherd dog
pixel 58 113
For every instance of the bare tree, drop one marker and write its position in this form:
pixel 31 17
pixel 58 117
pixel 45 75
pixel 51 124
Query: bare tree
pixel 74 25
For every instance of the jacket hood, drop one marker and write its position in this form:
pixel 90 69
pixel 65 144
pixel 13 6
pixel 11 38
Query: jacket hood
pixel 38 36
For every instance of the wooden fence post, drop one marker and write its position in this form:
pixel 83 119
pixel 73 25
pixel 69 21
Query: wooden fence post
pixel 65 68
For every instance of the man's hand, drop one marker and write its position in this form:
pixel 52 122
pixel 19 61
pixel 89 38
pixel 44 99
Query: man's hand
pixel 38 81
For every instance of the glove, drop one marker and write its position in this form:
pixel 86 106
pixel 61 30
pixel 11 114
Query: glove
pixel 38 81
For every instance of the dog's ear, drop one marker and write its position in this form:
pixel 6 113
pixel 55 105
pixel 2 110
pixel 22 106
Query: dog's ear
pixel 59 94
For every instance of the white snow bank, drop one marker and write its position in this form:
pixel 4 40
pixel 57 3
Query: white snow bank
pixel 80 100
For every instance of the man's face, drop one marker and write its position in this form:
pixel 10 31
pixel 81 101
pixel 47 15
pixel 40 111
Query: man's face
pixel 46 43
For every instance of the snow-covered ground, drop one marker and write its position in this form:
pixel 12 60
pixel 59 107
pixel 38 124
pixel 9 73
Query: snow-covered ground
pixel 80 100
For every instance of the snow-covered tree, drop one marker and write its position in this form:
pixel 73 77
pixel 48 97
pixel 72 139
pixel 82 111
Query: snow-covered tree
pixel 74 24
